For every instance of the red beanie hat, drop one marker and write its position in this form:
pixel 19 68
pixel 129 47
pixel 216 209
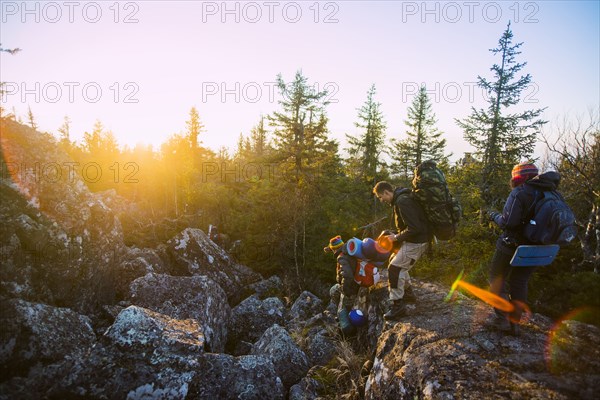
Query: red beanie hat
pixel 523 172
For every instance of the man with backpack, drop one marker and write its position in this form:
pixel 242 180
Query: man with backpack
pixel 528 189
pixel 413 235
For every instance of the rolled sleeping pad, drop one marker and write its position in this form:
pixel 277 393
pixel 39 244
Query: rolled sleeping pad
pixel 373 251
pixel 354 247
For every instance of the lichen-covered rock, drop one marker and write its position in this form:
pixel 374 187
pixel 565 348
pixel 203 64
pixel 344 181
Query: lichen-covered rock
pixel 184 297
pixel 66 235
pixel 306 306
pixel 221 376
pixel 37 333
pixel 321 347
pixel 252 317
pixel 144 354
pixel 444 350
pixel 195 254
pixel 306 389
pixel 134 264
pixel 291 364
pixel 136 328
pixel 272 287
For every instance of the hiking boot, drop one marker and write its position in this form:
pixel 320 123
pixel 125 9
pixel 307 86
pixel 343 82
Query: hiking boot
pixel 409 295
pixel 498 322
pixel 397 311
pixel 515 330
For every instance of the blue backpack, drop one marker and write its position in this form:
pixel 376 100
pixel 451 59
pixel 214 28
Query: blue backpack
pixel 552 221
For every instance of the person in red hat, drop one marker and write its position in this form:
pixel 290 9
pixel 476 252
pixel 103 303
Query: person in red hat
pixel 507 281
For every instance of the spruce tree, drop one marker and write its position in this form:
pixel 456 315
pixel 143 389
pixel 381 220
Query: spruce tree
pixel 500 137
pixel 194 127
pixel 423 140
pixel 366 149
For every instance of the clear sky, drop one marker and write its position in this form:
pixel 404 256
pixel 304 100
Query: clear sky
pixel 139 66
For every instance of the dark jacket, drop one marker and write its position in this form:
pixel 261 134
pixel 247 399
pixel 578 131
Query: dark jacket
pixel 519 207
pixel 346 266
pixel 409 218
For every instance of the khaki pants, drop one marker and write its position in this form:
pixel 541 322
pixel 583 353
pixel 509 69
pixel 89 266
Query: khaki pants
pixel 401 263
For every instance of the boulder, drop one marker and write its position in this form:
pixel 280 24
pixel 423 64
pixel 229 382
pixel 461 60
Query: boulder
pixel 40 334
pixel 306 389
pixel 291 364
pixel 272 287
pixel 193 253
pixel 184 297
pixel 307 305
pixel 444 350
pixel 221 376
pixel 252 317
pixel 134 264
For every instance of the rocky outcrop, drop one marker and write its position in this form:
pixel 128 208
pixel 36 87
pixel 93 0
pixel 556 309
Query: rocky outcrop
pixel 184 297
pixel 306 306
pixel 291 364
pixel 36 333
pixel 272 287
pixel 68 240
pixel 444 350
pixel 193 253
pixel 134 264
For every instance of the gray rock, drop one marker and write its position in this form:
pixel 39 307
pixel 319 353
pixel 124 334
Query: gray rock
pixel 306 306
pixel 443 350
pixel 221 376
pixel 195 254
pixel 136 328
pixel 70 240
pixel 321 348
pixel 37 333
pixel 306 389
pixel 184 297
pixel 252 317
pixel 272 287
pixel 291 364
pixel 134 264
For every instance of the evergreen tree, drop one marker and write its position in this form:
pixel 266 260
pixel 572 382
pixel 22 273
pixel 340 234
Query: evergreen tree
pixel 299 127
pixel 423 140
pixel 31 119
pixel 502 138
pixel 365 150
pixel 65 135
pixel 194 128
pixel 258 137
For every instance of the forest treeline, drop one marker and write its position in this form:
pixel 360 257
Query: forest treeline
pixel 288 187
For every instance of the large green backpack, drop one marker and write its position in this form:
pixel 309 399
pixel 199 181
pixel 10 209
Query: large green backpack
pixel 429 188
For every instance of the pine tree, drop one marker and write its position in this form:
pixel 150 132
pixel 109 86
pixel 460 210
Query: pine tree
pixel 31 119
pixel 194 128
pixel 502 138
pixel 258 137
pixel 423 140
pixel 65 134
pixel 365 150
pixel 299 127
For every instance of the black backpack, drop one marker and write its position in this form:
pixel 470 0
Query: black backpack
pixel 430 189
pixel 551 220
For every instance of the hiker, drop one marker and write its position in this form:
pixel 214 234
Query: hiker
pixel 346 266
pixel 413 236
pixel 525 183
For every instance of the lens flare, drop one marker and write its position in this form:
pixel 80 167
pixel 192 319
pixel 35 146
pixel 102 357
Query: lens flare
pixel 488 297
pixel 385 243
pixel 560 346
